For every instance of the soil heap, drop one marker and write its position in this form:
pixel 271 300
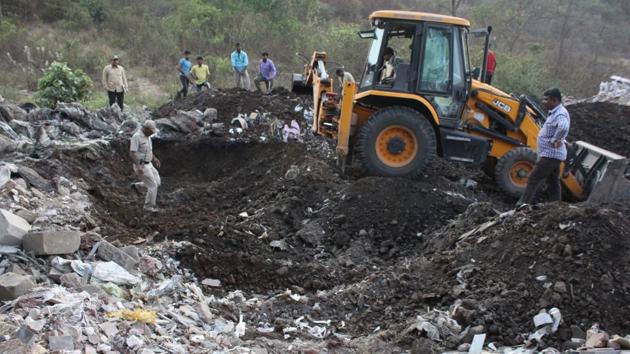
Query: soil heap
pixel 604 124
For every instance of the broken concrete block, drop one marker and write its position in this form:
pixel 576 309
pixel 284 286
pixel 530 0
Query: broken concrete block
pixel 35 179
pixel 14 285
pixel 12 228
pixel 51 242
pixel 215 283
pixel 27 215
pixel 59 343
pixel 109 252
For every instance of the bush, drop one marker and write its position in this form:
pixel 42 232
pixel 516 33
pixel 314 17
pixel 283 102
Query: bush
pixel 62 84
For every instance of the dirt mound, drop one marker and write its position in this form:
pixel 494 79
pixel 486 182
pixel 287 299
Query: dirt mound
pixel 229 103
pixel 603 124
pixel 570 257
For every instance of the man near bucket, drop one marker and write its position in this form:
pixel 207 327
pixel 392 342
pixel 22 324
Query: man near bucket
pixel 552 150
pixel 141 153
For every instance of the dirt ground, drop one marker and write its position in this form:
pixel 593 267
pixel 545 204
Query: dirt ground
pixel 368 253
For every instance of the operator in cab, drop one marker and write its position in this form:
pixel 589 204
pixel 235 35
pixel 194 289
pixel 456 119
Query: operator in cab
pixel 552 150
pixel 388 70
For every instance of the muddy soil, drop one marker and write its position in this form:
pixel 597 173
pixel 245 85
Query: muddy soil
pixel 366 252
pixel 603 124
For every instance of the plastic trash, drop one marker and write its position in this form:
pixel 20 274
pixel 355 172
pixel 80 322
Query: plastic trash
pixel 167 287
pixel 138 315
pixel 112 272
pixel 113 289
pixel 239 330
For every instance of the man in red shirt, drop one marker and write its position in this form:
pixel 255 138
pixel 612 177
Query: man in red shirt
pixel 492 64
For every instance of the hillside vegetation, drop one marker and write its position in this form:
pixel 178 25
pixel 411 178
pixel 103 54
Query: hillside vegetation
pixel 570 43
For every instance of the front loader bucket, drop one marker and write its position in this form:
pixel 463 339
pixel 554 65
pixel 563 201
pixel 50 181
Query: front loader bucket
pixel 603 175
pixel 614 185
pixel 299 86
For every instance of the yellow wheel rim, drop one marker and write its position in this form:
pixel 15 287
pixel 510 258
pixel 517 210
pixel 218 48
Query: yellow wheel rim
pixel 396 146
pixel 519 172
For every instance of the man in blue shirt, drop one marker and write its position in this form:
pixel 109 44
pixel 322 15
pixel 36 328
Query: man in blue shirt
pixel 183 68
pixel 552 150
pixel 240 61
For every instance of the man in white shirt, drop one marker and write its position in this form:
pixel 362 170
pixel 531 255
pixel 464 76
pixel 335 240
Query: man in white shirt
pixel 141 152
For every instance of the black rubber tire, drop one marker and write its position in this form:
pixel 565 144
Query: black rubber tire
pixel 411 119
pixel 504 165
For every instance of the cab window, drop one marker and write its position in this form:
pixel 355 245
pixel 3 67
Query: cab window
pixel 436 64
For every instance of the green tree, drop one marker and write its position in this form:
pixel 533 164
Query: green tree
pixel 62 84
pixel 97 10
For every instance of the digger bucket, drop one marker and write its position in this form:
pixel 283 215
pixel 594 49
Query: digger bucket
pixel 604 175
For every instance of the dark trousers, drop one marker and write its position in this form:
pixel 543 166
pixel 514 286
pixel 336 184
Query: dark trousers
pixel 116 97
pixel 489 78
pixel 545 170
pixel 184 90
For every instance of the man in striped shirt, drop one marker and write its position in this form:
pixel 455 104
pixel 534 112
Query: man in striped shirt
pixel 551 149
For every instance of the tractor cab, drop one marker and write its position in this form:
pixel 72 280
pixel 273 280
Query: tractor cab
pixel 420 54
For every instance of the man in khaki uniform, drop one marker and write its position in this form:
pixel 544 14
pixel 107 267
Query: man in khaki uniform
pixel 115 82
pixel 141 152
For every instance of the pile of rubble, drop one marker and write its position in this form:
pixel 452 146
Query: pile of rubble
pixel 264 247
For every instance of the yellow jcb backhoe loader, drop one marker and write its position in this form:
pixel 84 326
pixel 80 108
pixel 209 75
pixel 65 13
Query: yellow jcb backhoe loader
pixel 418 99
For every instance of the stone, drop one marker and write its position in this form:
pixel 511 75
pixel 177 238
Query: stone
pixel 109 328
pixel 35 179
pixel 312 233
pixel 132 251
pixel 25 335
pixel 215 283
pixel 109 252
pixel 577 332
pixel 363 233
pixel 567 251
pixel 14 285
pixel 35 325
pixel 51 242
pixel 90 350
pixel 27 215
pixel 12 228
pixel 60 343
pixel 210 115
pixel 14 268
pixel 134 342
pixel 597 340
pixel 560 287
pixel 70 280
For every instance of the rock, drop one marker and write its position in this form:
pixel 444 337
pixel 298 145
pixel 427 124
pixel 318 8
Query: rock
pixel 35 179
pixel 109 252
pixel 109 328
pixel 71 128
pixel 210 115
pixel 215 283
pixel 560 287
pixel 134 342
pixel 567 251
pixel 363 233
pixel 59 343
pixel 14 268
pixel 339 219
pixel 312 233
pixel 12 228
pixel 90 350
pixel 51 242
pixel 150 265
pixel 25 335
pixel 597 340
pixel 70 280
pixel 14 285
pixel 282 271
pixel 132 251
pixel 35 325
pixel 577 332
pixel 22 128
pixel 27 215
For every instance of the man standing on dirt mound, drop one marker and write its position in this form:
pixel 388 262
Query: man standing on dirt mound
pixel 115 82
pixel 240 61
pixel 552 150
pixel 141 152
pixel 266 73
